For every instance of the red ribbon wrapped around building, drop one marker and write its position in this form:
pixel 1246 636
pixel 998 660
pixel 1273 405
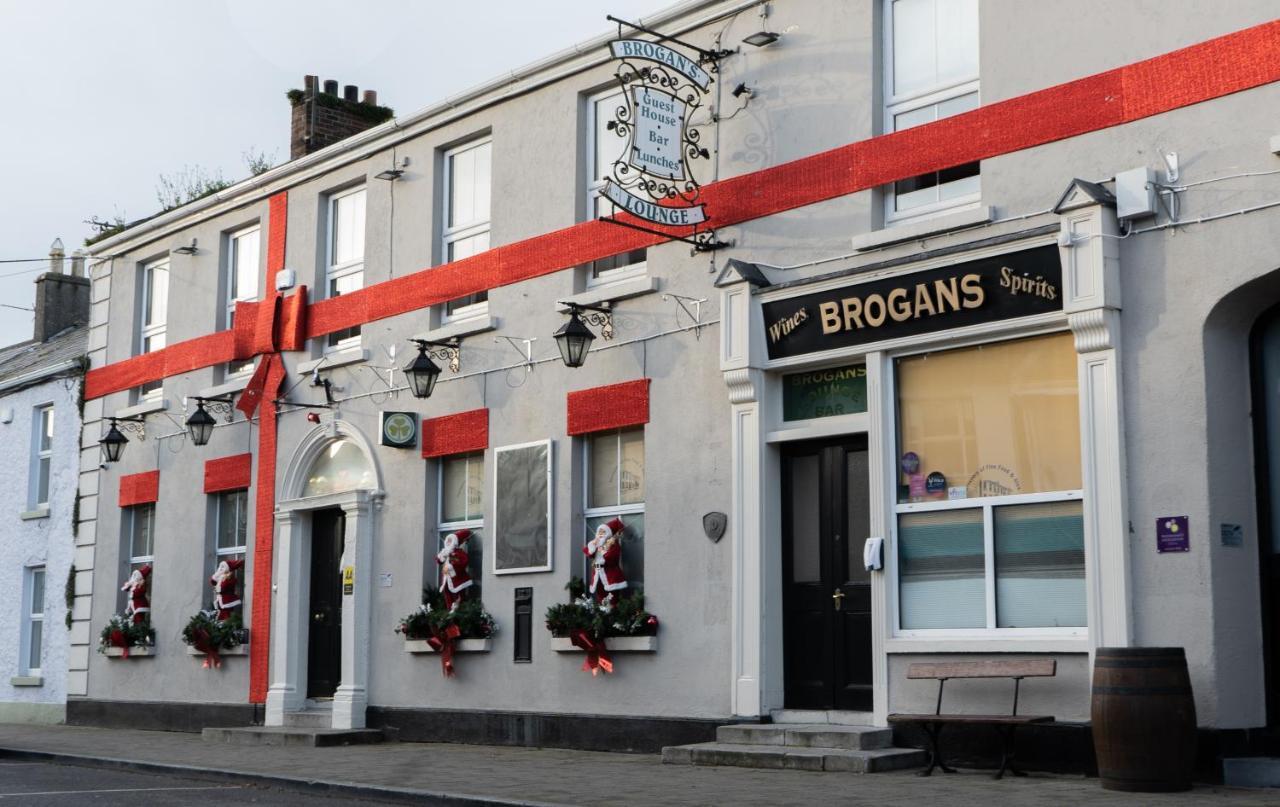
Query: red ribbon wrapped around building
pixel 443 643
pixel 597 653
pixel 264 329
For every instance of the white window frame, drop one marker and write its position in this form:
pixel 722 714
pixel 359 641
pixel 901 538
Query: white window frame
pixel 134 510
pixel 334 271
pixel 240 549
pixel 986 503
pixel 612 511
pixel 457 233
pixel 148 331
pixel 595 187
pixel 30 617
pixel 899 104
pixel 230 272
pixel 41 458
pixel 444 527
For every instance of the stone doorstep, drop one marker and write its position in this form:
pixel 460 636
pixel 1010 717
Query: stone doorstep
pixel 1251 772
pixel 277 735
pixel 793 758
pixel 848 738
pixel 309 719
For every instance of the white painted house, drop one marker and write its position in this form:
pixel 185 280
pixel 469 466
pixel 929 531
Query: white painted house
pixel 40 382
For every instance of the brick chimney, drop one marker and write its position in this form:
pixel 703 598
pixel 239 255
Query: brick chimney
pixel 322 117
pixel 62 300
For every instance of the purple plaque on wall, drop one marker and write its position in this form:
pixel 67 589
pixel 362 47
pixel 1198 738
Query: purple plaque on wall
pixel 1172 534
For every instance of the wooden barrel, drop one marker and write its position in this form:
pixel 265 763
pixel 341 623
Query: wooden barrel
pixel 1144 719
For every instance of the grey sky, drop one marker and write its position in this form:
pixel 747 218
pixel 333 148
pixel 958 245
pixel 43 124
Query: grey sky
pixel 105 97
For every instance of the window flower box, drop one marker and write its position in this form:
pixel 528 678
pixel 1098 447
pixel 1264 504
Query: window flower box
pixel 137 651
pixel 616 644
pixel 460 646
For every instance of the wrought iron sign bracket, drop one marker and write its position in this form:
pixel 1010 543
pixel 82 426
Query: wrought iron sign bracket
pixel 444 351
pixel 704 241
pixel 599 315
pixel 328 396
pixel 704 55
pixel 522 346
pixel 683 304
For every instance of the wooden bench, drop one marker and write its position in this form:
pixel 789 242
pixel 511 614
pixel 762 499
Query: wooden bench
pixel 1007 725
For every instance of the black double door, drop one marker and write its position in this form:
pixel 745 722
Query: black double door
pixel 324 641
pixel 826 591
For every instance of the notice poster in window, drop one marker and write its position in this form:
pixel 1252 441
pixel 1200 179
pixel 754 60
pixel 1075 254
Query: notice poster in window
pixel 522 508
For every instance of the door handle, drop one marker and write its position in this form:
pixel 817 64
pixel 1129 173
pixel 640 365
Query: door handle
pixel 317 616
pixel 838 599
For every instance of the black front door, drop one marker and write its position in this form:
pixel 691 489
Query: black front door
pixel 324 644
pixel 1265 350
pixel 826 591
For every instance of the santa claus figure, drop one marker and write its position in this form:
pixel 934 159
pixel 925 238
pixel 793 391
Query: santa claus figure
pixel 605 551
pixel 224 582
pixel 453 560
pixel 139 605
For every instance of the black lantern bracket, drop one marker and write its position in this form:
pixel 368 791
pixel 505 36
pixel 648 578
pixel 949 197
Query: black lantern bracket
pixel 317 381
pixel 133 424
pixel 600 316
pixel 449 351
pixel 217 405
pixel 692 308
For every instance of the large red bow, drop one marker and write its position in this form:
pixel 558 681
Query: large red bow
pixel 264 329
pixel 442 641
pixel 597 653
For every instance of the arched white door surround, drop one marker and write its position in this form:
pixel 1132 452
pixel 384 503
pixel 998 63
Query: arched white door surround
pixel 333 466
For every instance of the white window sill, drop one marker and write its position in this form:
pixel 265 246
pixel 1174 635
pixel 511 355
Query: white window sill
pixel 32 515
pixel 980 644
pixel 231 387
pixel 618 644
pixel 140 651
pixel 144 408
pixel 238 650
pixel 459 328
pixel 27 681
pixel 459 646
pixel 910 230
pixel 612 292
pixel 338 358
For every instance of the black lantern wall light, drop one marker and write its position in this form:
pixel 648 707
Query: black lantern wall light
pixel 114 441
pixel 422 372
pixel 200 424
pixel 574 338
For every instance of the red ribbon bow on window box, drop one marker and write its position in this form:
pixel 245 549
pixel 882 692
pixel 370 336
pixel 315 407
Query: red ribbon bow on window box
pixel 597 653
pixel 443 642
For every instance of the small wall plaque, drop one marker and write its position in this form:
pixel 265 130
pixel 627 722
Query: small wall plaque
pixel 713 524
pixel 1172 534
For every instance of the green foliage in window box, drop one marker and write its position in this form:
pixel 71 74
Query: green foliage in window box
pixel 121 632
pixel 224 635
pixel 626 617
pixel 433 619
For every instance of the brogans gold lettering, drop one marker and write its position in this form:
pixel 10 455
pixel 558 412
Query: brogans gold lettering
pixel 902 304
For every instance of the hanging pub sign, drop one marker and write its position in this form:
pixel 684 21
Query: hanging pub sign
pixel 652 179
pixel 1019 284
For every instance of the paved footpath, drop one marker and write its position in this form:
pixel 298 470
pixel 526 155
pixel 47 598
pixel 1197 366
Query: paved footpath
pixel 439 773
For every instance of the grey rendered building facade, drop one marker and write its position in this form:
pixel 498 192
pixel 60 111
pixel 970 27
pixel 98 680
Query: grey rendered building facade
pixel 1155 316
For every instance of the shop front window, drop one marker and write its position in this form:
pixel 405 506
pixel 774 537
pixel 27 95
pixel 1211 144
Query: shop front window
pixel 990 522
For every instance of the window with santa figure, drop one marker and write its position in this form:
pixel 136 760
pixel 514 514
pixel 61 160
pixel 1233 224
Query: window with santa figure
pixel 139 539
pixel 231 527
pixel 614 478
pixel 460 506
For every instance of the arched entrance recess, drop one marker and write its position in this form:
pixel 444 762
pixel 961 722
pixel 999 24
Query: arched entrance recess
pixel 333 468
